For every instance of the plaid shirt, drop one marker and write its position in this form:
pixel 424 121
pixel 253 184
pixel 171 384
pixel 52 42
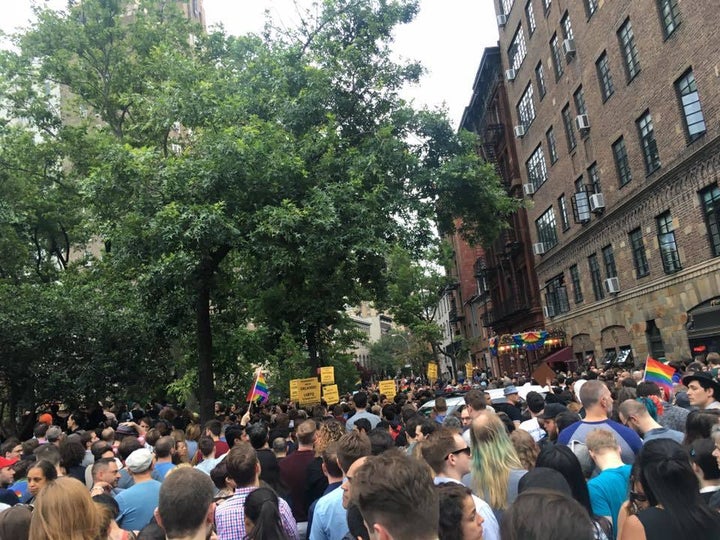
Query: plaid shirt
pixel 230 517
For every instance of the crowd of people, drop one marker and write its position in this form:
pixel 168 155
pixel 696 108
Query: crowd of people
pixel 598 454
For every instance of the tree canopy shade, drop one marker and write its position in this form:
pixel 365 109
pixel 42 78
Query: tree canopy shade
pixel 239 182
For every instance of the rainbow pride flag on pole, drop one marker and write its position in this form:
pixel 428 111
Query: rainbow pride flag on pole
pixel 259 391
pixel 661 374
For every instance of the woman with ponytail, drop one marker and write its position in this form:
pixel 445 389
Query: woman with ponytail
pixel 665 500
pixel 262 516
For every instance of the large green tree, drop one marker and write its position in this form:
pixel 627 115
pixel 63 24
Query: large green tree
pixel 245 183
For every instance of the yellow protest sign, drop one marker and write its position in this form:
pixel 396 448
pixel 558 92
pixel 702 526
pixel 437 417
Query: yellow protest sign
pixel 308 391
pixel 327 375
pixel 331 394
pixel 432 371
pixel 388 388
pixel 294 391
pixel 468 370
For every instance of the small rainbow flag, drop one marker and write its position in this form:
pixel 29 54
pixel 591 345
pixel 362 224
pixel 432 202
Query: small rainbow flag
pixel 259 391
pixel 661 374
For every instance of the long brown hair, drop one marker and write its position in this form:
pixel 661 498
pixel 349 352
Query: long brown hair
pixel 64 510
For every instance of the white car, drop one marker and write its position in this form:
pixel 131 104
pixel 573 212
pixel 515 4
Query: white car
pixel 497 395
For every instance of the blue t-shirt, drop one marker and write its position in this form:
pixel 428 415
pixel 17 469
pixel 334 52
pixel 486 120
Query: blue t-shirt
pixel 664 433
pixel 161 469
pixel 137 505
pixel 608 490
pixel 629 441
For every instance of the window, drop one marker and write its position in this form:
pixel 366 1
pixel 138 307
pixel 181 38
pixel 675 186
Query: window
pixel 594 177
pixel 595 277
pixel 530 14
pixel 526 108
pixel 581 202
pixel 621 162
pixel 569 129
pixel 637 245
pixel 579 98
pixel 710 199
pixel 552 144
pixel 556 297
pixel 536 169
pixel 648 143
pixel 546 229
pixel 566 26
pixel 556 57
pixel 669 16
pixel 603 72
pixel 540 77
pixel 577 286
pixel 590 7
pixel 609 260
pixel 507 6
pixel 564 218
pixel 629 50
pixel 692 110
pixel 666 241
pixel 518 49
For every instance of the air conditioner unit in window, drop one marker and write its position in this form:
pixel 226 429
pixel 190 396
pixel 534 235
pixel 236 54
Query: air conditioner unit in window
pixel 582 122
pixel 612 285
pixel 548 312
pixel 569 48
pixel 510 74
pixel 539 248
pixel 529 189
pixel 501 20
pixel 519 131
pixel 597 202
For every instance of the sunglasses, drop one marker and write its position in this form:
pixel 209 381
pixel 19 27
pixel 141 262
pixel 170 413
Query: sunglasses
pixel 465 451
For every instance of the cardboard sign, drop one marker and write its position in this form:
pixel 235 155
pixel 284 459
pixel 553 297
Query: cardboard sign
pixel 432 371
pixel 294 392
pixel 327 375
pixel 331 394
pixel 542 373
pixel 309 391
pixel 468 370
pixel 388 388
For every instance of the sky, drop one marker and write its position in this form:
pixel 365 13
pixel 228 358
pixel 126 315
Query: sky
pixel 448 37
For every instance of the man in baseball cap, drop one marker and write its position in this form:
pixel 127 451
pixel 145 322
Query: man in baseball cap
pixel 7 475
pixel 546 419
pixel 138 502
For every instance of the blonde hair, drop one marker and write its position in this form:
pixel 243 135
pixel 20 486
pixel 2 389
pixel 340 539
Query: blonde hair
pixel 64 510
pixel 327 433
pixel 493 456
pixel 599 439
pixel 526 448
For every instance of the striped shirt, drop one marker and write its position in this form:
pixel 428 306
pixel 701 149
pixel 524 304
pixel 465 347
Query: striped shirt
pixel 230 517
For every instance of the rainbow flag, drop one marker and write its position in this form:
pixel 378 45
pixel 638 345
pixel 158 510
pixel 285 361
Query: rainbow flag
pixel 259 391
pixel 661 374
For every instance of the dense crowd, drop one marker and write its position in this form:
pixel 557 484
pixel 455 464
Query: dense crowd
pixel 597 454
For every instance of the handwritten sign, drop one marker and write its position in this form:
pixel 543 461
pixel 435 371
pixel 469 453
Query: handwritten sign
pixel 432 371
pixel 331 394
pixel 388 388
pixel 468 370
pixel 327 375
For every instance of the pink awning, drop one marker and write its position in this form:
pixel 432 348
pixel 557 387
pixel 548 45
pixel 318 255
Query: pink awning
pixel 563 355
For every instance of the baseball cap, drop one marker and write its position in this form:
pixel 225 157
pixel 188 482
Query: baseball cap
pixel 45 418
pixel 551 411
pixel 139 461
pixel 53 433
pixel 5 462
pixel 509 390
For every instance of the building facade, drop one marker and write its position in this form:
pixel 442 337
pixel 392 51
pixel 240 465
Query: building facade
pixel 507 287
pixel 614 108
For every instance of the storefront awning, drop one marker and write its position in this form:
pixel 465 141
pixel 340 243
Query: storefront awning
pixel 563 355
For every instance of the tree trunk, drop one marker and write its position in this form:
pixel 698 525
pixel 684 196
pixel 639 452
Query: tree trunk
pixel 206 391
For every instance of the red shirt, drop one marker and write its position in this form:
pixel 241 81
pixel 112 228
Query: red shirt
pixel 293 474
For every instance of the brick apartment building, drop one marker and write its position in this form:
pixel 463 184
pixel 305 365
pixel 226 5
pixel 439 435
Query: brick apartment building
pixel 615 109
pixel 506 290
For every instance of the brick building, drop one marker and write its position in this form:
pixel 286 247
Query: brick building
pixel 615 111
pixel 506 289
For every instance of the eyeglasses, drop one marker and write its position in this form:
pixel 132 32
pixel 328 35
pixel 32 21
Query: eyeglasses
pixel 465 451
